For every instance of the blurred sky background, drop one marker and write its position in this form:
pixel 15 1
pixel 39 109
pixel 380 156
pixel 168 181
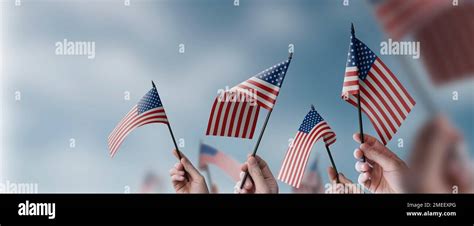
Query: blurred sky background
pixel 64 97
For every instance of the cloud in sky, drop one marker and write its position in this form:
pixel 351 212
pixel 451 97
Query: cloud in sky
pixel 66 97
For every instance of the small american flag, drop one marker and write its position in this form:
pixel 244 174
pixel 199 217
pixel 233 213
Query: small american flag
pixel 294 164
pixel 148 110
pixel 398 18
pixel 312 182
pixel 383 98
pixel 234 113
pixel 209 155
pixel 444 31
pixel 446 44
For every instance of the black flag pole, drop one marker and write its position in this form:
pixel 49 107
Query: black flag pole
pixel 332 163
pixel 330 155
pixel 359 108
pixel 263 128
pixel 171 131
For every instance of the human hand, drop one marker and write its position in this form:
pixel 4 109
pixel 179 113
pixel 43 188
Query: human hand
pixel 185 177
pixel 344 186
pixel 214 189
pixel 260 180
pixel 383 171
pixel 438 163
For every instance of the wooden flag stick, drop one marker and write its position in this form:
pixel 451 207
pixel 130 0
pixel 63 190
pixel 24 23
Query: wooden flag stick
pixel 332 163
pixel 263 129
pixel 359 108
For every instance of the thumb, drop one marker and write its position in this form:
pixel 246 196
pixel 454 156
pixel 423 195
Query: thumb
pixel 343 179
pixel 255 172
pixel 189 168
pixel 332 174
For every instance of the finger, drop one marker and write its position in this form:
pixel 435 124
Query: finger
pixel 177 178
pixel 241 175
pixel 332 174
pixel 244 167
pixel 244 191
pixel 362 167
pixel 175 153
pixel 267 173
pixel 255 172
pixel 237 187
pixel 248 184
pixel 364 179
pixel 343 179
pixel 382 156
pixel 188 167
pixel 358 154
pixel 367 139
pixel 174 171
pixel 179 166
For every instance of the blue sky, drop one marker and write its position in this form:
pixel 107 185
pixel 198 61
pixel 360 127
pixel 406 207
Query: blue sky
pixel 66 97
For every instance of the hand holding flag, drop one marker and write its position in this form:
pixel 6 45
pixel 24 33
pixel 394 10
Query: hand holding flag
pixel 373 88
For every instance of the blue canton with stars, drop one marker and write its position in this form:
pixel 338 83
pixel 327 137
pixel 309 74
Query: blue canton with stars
pixel 310 121
pixel 360 56
pixel 149 101
pixel 275 74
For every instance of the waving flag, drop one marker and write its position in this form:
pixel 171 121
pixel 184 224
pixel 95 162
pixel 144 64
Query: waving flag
pixel 445 31
pixel 148 110
pixel 312 182
pixel 312 128
pixel 447 48
pixel 383 98
pixel 235 112
pixel 209 155
pixel 399 18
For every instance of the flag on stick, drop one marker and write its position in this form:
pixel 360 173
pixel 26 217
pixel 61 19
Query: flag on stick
pixel 373 88
pixel 148 110
pixel 210 155
pixel 235 112
pixel 294 164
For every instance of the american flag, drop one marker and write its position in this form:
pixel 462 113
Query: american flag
pixel 148 110
pixel 234 113
pixel 209 155
pixel 398 18
pixel 383 98
pixel 294 164
pixel 312 182
pixel 446 44
pixel 444 31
